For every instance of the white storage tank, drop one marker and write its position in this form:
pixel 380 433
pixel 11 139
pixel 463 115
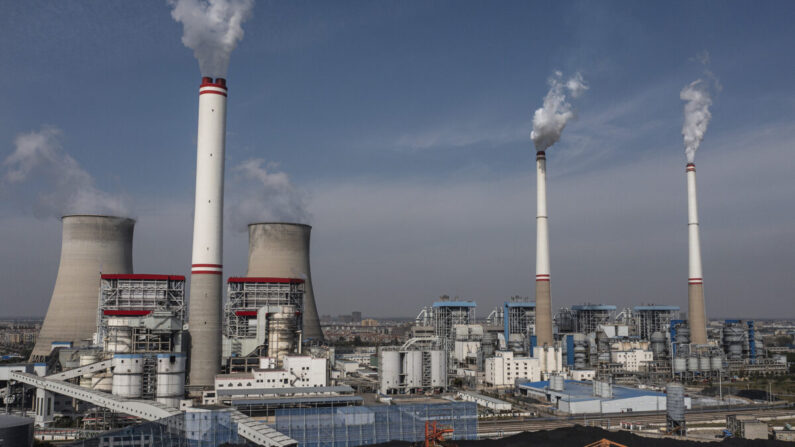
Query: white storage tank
pixel 556 382
pixel 87 359
pixel 438 369
pixel 716 362
pixel 119 336
pixel 680 365
pixel 389 369
pixel 170 379
pixel 692 363
pixel 102 382
pixel 412 369
pixel 675 401
pixel 704 363
pixel 127 375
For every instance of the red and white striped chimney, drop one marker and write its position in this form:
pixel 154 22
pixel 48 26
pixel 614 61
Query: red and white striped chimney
pixel 543 300
pixel 696 315
pixel 207 269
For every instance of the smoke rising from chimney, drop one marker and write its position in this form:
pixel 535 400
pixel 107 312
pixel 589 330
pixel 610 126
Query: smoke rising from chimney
pixel 697 115
pixel 273 199
pixel 549 120
pixel 212 29
pixel 61 184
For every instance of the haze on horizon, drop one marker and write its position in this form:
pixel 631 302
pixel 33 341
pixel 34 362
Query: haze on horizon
pixel 401 132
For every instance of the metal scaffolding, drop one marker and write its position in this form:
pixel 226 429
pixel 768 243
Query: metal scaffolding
pixel 654 318
pixel 446 314
pixel 141 313
pixel 588 317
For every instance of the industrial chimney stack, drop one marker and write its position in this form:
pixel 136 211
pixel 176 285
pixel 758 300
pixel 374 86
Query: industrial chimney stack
pixel 281 250
pixel 206 269
pixel 697 320
pixel 90 245
pixel 543 300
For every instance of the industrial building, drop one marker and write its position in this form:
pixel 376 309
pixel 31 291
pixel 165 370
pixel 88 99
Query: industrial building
pixel 654 318
pixel 262 317
pixel 588 317
pixel 573 397
pixel 504 369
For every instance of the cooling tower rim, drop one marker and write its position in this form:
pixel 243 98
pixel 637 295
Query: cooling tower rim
pixel 108 216
pixel 296 224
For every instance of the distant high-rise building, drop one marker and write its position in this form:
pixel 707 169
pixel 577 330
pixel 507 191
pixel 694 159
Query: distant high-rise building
pixel 356 317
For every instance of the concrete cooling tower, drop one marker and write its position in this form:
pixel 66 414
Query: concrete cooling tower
pixel 282 250
pixel 90 245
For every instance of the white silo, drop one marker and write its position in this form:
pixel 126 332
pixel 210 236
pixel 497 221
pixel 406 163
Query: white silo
pixel 170 379
pixel 90 245
pixel 412 369
pixel 280 249
pixel 438 369
pixel 128 375
pixel 389 371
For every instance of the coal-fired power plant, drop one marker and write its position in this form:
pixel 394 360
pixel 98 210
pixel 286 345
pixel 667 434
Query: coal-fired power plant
pixel 282 250
pixel 206 268
pixel 696 315
pixel 543 299
pixel 90 245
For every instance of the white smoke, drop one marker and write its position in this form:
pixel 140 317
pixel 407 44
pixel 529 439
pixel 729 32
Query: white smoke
pixel 212 29
pixel 697 115
pixel 60 184
pixel 549 120
pixel 272 199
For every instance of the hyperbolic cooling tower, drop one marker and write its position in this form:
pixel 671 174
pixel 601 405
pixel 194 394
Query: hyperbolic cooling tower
pixel 282 250
pixel 543 299
pixel 696 312
pixel 90 245
pixel 206 268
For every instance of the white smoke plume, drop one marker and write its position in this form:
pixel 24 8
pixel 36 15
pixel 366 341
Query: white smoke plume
pixel 60 184
pixel 212 29
pixel 697 115
pixel 273 198
pixel 549 120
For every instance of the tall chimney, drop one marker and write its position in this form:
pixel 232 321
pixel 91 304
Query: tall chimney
pixel 206 269
pixel 696 315
pixel 90 245
pixel 280 249
pixel 543 300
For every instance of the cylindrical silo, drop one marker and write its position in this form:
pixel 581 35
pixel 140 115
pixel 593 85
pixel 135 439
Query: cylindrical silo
pixel 675 401
pixel 680 365
pixel 87 359
pixel 704 363
pixel 170 379
pixel 692 363
pixel 90 245
pixel 102 382
pixel 412 369
pixel 716 361
pixel 282 333
pixel 280 249
pixel 658 344
pixel 127 375
pixel 389 369
pixel 438 369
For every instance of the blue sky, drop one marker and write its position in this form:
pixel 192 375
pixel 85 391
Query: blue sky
pixel 404 130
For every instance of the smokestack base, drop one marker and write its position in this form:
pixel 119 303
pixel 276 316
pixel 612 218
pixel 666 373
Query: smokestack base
pixel 696 313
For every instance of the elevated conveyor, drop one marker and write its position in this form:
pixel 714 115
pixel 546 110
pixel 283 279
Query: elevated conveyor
pixel 251 429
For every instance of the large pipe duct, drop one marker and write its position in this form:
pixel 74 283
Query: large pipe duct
pixel 697 320
pixel 282 250
pixel 206 268
pixel 90 245
pixel 543 300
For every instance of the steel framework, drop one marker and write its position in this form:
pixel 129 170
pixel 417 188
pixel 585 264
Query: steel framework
pixel 141 313
pixel 245 296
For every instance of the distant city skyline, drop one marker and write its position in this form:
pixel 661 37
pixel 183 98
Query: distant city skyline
pixel 401 132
